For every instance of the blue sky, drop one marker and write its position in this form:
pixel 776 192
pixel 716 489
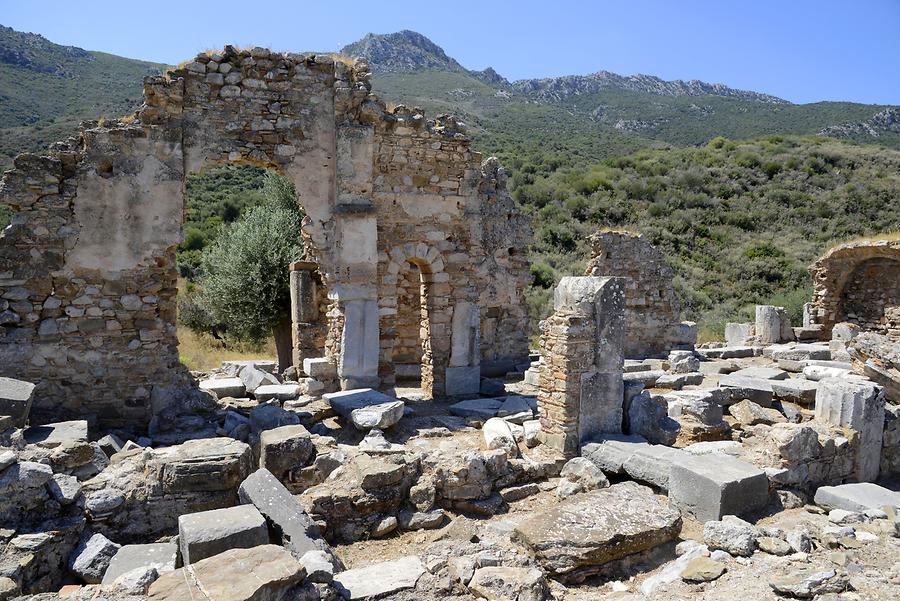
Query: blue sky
pixel 801 50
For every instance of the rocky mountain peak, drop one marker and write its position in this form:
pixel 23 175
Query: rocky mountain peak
pixel 37 53
pixel 401 52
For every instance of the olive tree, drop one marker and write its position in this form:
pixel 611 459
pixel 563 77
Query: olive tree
pixel 246 282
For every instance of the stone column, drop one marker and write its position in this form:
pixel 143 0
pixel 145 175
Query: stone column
pixel 859 406
pixel 772 325
pixel 580 388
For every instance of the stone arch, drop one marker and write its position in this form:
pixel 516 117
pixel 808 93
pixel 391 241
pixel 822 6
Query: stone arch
pixel 858 282
pixel 410 306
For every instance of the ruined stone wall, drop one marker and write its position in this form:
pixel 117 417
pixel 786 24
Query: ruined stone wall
pixel 858 282
pixel 87 271
pixel 652 310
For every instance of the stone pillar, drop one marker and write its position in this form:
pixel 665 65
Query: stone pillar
pixel 580 388
pixel 463 374
pixel 358 358
pixel 306 329
pixel 859 406
pixel 772 325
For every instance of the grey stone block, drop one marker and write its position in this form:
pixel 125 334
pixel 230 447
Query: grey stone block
pixel 15 400
pixel 795 389
pixel 208 533
pixel 161 556
pixel 711 486
pixel 856 497
pixel 283 514
pixel 51 436
pixel 380 578
pixel 611 452
pixel 462 380
pixel 858 405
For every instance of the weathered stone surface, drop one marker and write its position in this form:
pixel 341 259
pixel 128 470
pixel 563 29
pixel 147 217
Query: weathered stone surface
pixel 15 400
pixel 711 486
pixel 748 413
pixel 702 569
pixel 285 451
pixel 208 533
pixel 278 392
pixel 135 582
pixel 268 572
pixel 160 556
pixel 683 362
pixel 765 373
pixel 253 378
pixel 233 367
pixel 498 435
pixel 731 534
pixel 380 578
pixel 346 402
pixel 283 514
pixel 381 416
pixel 590 529
pixel 798 390
pixel 584 472
pixel 509 584
pixel 52 435
pixel 480 409
pixel 772 325
pixel 806 585
pixel 773 546
pixel 92 557
pixel 878 358
pixel 741 388
pixel 64 489
pixel 856 497
pixel 860 406
pixel 318 566
pixel 223 387
pixel 213 464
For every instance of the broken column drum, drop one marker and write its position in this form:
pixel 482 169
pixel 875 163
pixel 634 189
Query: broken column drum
pixel 580 386
pixel 90 315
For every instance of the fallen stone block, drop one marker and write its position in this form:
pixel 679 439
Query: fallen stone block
pixel 711 486
pixel 232 368
pixel 319 567
pixel 266 573
pixel 223 387
pixel 509 584
pixel 91 558
pixel 718 367
pixel 647 378
pixel 253 378
pixel 764 373
pixel 748 413
pixel 479 409
pixel 683 362
pixel 212 464
pixel 285 450
pixel 208 533
pixel 652 464
pixel 278 392
pixel 731 534
pixel 858 405
pixel 50 436
pixel 612 451
pixel 462 380
pixel 810 584
pixel 380 578
pixel 283 514
pixel 679 381
pixel 381 416
pixel 816 373
pixel 345 402
pixel 795 389
pixel 319 368
pixel 588 530
pixel 856 497
pixel 798 352
pixel 728 352
pixel 160 556
pixel 64 489
pixel 498 435
pixel 742 388
pixel 15 400
pixel 517 409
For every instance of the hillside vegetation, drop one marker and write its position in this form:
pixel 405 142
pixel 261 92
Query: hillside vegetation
pixel 738 221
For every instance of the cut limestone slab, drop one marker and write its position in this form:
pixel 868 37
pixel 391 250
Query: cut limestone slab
pixel 612 451
pixel 223 387
pixel 160 556
pixel 588 530
pixel 858 405
pixel 795 389
pixel 285 450
pixel 381 416
pixel 253 378
pixel 345 402
pixel 856 497
pixel 283 513
pixel 232 368
pixel 15 400
pixel 380 578
pixel 652 464
pixel 728 352
pixel 278 392
pixel 51 436
pixel 758 390
pixel 509 584
pixel 711 486
pixel 480 409
pixel 264 573
pixel 208 533
pixel 766 373
pixel 319 368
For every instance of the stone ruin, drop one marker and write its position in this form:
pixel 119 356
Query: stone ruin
pixel 414 244
pixel 652 310
pixel 627 465
pixel 859 283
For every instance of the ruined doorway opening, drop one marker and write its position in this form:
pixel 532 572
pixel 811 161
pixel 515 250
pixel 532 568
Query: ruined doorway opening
pixel 871 295
pixel 241 232
pixel 412 354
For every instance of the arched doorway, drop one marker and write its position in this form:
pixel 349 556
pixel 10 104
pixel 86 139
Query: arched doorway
pixel 871 295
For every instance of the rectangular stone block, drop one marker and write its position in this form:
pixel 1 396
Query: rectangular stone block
pixel 52 435
pixel 856 497
pixel 15 400
pixel 795 389
pixel 462 380
pixel 858 405
pixel 601 405
pixel 162 556
pixel 319 368
pixel 711 486
pixel 208 533
pixel 282 512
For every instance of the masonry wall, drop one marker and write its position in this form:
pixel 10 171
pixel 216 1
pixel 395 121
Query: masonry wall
pixel 858 282
pixel 652 310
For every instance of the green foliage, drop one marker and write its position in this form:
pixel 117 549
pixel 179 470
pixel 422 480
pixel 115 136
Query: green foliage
pixel 5 216
pixel 542 275
pixel 245 285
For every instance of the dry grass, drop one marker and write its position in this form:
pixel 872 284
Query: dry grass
pixel 202 352
pixel 889 236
